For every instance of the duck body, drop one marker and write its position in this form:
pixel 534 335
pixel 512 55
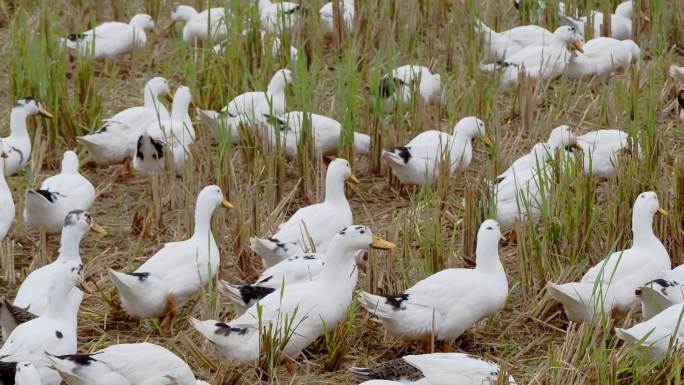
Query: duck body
pixel 602 56
pixel 655 334
pixel 177 271
pixel 279 15
pixel 326 133
pixel 199 26
pixel 117 138
pixel 57 196
pixel 111 39
pixel 122 365
pixel 7 208
pixel 501 45
pixel 328 18
pixel 620 22
pixel 418 162
pixel 17 146
pixel 317 223
pixel 431 306
pixel 433 369
pixel 661 293
pixel 400 83
pixel 601 149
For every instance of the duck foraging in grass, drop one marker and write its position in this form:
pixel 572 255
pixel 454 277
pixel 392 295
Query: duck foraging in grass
pixel 17 146
pixel 111 39
pixel 211 23
pixel 400 83
pixel 177 271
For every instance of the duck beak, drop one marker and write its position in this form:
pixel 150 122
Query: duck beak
pixel 647 19
pixel 45 113
pixel 353 179
pixel 487 142
pixel 662 212
pixel 98 229
pixel 379 243
pixel 227 204
pixel 577 45
pixel 169 97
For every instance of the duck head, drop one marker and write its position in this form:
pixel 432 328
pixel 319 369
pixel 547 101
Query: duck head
pixel 471 128
pixel 569 36
pixel 280 79
pixel 81 222
pixel 159 86
pixel 32 106
pixel 142 21
pixel 339 169
pixel 357 237
pixel 212 195
pixel 562 137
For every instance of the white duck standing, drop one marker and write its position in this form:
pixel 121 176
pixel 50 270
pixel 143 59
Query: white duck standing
pixel 500 45
pixel 175 135
pixel 7 209
pixel 287 129
pixel 124 364
pixel 609 286
pixel 347 12
pixel 250 107
pixel 447 303
pixel 111 39
pixel 200 26
pixel 17 146
pixel 620 22
pixel 58 195
pixel 316 224
pixel 53 332
pixel 661 293
pixel 279 15
pixel 418 162
pixel 310 307
pixel 655 335
pixel 176 272
pixel 601 151
pixel 401 82
pixel 33 293
pixel 601 57
pixel 115 142
pixel 433 369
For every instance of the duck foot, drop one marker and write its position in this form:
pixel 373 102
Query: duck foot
pixel 125 171
pixel 289 365
pixel 171 313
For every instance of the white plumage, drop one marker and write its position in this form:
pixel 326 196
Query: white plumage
pixel 111 39
pixel 279 15
pixel 347 12
pixel 17 146
pixel 620 22
pixel 601 57
pixel 401 83
pixel 7 208
pixel 655 335
pixel 661 293
pixel 199 26
pixel 601 150
pixel 501 45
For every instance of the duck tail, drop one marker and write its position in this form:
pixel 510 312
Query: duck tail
pixel 362 143
pixel 652 301
pixel 482 28
pixel 209 118
pixel 244 296
pixel 625 335
pixel 375 304
pixel 397 156
pixel 230 338
pixel 11 316
pixel 575 308
pixel 270 250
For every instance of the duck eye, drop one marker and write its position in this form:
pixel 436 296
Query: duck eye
pixel 490 228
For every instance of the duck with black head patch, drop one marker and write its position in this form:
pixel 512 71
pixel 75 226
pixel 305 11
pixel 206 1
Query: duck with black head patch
pixel 401 83
pixel 58 195
pixel 54 331
pixel 418 162
pixel 17 146
pixel 310 307
pixel 176 272
pixel 447 303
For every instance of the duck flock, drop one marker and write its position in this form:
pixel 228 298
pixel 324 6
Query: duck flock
pixel 310 263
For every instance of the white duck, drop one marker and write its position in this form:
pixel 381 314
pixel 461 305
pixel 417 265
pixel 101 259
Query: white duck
pixel 177 271
pixel 561 137
pixel 620 22
pixel 655 335
pixel 310 307
pixel 520 196
pixel 609 286
pixel 316 224
pixel 676 73
pixel 17 146
pixel 53 332
pixel 287 129
pixel 111 39
pixel 347 12
pixel 115 141
pixel 250 107
pixel 539 63
pixel 418 161
pixel 124 364
pixel 175 134
pixel 33 293
pixel 199 26
pixel 601 150
pixel 501 45
pixel 449 302
pixel 433 369
pixel 279 15
pixel 7 209
pixel 57 196
pixel 661 293
pixel 400 83
pixel 26 374
pixel 601 57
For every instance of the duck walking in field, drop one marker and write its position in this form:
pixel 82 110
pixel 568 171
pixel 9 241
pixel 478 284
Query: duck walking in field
pixel 609 286
pixel 17 146
pixel 401 83
pixel 447 303
pixel 58 195
pixel 176 272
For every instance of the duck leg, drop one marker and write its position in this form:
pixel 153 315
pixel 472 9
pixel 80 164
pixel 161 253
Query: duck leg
pixel 289 365
pixel 125 171
pixel 171 313
pixel 447 346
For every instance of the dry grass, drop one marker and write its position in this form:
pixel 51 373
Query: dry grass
pixel 433 228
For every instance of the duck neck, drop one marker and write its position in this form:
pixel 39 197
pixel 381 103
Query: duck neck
pixel 59 302
pixel 203 213
pixel 152 99
pixel 263 4
pixel 340 265
pixel 18 123
pixel 179 110
pixel 487 256
pixel 334 189
pixel 70 245
pixel 642 229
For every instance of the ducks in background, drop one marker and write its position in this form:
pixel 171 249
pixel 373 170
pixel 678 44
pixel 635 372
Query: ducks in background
pixel 501 45
pixel 7 209
pixel 601 151
pixel 58 195
pixel 680 100
pixel 418 162
pixel 601 57
pixel 124 364
pixel 17 146
pixel 447 303
pixel 176 272
pixel 278 16
pixel 401 83
pixel 346 16
pixel 286 130
pixel 609 287
pixel 115 142
pixel 661 293
pixel 111 39
pixel 433 369
pixel 310 308
pixel 314 226
pixel 209 24
pixel 620 22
